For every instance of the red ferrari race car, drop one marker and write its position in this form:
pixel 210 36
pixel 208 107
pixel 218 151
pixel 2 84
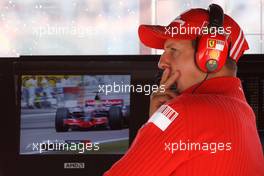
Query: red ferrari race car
pixel 103 114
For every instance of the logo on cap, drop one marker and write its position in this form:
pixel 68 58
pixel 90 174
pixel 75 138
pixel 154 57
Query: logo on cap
pixel 178 20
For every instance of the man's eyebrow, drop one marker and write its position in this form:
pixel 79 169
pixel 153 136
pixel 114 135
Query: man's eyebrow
pixel 168 46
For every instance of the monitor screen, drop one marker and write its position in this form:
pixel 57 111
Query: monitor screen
pixel 74 114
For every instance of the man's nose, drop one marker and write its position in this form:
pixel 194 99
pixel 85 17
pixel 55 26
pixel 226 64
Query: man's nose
pixel 164 61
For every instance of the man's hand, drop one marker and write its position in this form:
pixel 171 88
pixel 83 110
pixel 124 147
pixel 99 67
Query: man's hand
pixel 159 98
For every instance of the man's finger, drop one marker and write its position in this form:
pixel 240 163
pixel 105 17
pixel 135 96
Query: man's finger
pixel 171 80
pixel 171 93
pixel 159 100
pixel 163 98
pixel 168 95
pixel 165 76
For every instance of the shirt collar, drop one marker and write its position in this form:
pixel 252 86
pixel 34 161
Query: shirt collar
pixel 218 85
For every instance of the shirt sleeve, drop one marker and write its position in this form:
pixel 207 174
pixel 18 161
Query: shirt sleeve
pixel 153 150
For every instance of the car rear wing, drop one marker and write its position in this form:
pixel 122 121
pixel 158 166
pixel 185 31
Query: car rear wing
pixel 110 102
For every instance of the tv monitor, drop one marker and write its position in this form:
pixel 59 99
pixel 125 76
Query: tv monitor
pixel 77 114
pixel 74 114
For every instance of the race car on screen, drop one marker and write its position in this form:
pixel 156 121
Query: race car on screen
pixel 106 114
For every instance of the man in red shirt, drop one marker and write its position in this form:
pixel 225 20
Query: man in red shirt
pixel 206 127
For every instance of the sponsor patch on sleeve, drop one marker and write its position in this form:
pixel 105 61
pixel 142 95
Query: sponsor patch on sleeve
pixel 163 117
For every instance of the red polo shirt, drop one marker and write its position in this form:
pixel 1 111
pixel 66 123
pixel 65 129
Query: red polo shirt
pixel 209 132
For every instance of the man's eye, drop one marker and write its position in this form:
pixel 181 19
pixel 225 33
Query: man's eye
pixel 173 49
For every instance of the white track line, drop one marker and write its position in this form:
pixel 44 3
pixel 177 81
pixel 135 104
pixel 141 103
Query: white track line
pixel 36 115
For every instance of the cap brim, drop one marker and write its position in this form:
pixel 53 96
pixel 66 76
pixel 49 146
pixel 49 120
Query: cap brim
pixel 152 36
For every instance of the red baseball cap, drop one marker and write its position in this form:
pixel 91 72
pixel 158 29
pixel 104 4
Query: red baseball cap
pixel 186 27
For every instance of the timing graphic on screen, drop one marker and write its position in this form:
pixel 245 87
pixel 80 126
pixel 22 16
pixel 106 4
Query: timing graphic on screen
pixel 68 114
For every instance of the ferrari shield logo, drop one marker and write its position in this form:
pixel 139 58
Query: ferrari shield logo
pixel 211 43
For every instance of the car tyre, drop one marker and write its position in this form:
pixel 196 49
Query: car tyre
pixel 61 114
pixel 115 118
